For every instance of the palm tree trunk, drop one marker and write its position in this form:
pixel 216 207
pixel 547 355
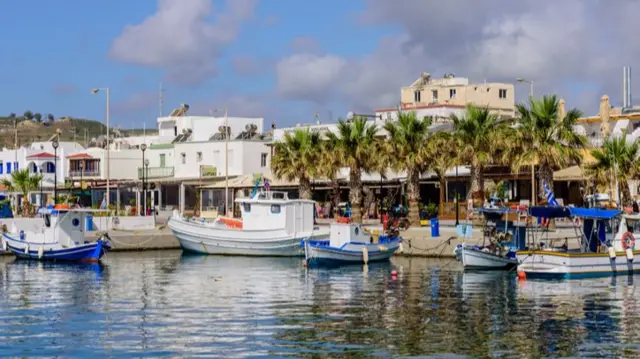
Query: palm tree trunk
pixel 355 193
pixel 546 176
pixel 443 200
pixel 413 194
pixel 476 189
pixel 305 188
pixel 625 192
pixel 335 196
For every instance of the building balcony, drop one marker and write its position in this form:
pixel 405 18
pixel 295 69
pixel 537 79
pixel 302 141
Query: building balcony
pixel 84 173
pixel 156 172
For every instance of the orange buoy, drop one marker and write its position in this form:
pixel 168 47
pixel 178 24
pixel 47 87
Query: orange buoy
pixel 522 275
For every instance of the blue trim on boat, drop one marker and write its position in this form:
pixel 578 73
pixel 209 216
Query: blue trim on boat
pixel 585 275
pixel 90 252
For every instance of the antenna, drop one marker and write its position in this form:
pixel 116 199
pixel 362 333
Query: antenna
pixel 161 99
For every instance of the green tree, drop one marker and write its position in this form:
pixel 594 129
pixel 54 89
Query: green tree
pixel 329 164
pixel 28 115
pixel 546 140
pixel 481 136
pixel 23 182
pixel 442 155
pixel 295 158
pixel 357 143
pixel 38 117
pixel 617 161
pixel 50 118
pixel 408 142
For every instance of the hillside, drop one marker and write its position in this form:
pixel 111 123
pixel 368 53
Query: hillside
pixel 34 131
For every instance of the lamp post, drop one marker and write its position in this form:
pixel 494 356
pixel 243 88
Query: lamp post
pixel 533 172
pixel 143 147
pixel 81 189
pixel 457 198
pixel 146 175
pixel 41 178
pixel 108 93
pixel 55 171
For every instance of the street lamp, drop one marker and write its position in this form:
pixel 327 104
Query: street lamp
pixel 146 175
pixel 41 178
pixel 81 189
pixel 108 93
pixel 533 166
pixel 457 198
pixel 143 147
pixel 55 145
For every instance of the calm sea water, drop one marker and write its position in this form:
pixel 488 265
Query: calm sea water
pixel 165 304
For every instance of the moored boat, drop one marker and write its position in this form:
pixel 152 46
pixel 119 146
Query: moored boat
pixel 349 243
pixel 271 225
pixel 61 238
pixel 605 246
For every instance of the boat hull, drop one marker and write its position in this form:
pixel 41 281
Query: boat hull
pixel 89 252
pixel 477 259
pixel 195 238
pixel 324 255
pixel 567 265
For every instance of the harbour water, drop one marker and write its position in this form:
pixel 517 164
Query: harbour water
pixel 163 303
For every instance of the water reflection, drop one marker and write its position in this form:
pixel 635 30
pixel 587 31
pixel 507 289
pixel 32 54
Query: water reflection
pixel 169 304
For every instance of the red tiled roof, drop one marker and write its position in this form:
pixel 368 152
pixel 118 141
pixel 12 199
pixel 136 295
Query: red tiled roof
pixel 80 156
pixel 42 155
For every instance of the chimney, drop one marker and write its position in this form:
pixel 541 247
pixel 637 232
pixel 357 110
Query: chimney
pixel 624 87
pixel 629 104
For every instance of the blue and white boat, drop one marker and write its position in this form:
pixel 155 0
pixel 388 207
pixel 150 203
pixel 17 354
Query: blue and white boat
pixel 349 243
pixel 61 237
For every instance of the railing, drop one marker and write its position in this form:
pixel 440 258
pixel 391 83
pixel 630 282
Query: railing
pixel 85 173
pixel 156 172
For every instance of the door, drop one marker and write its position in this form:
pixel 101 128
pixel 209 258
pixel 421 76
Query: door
pixel 162 160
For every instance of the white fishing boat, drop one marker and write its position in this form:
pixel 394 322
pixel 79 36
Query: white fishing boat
pixel 605 246
pixel 271 225
pixel 61 237
pixel 500 240
pixel 349 243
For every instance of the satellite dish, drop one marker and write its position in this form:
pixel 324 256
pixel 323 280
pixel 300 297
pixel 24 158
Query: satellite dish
pixel 350 115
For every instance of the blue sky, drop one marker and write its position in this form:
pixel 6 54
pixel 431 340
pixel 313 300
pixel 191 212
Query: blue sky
pixel 287 60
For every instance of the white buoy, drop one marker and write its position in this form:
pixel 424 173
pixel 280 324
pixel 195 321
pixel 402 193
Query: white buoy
pixel 40 252
pixel 383 248
pixel 26 249
pixel 629 252
pixel 400 248
pixel 4 245
pixel 612 253
pixel 365 255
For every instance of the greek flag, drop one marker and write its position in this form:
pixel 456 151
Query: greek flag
pixel 551 198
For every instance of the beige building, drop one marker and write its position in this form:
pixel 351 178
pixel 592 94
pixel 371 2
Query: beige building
pixel 457 91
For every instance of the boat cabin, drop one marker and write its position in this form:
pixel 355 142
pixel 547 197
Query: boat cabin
pixel 273 210
pixel 63 225
pixel 344 233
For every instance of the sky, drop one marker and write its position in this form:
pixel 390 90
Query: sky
pixel 293 61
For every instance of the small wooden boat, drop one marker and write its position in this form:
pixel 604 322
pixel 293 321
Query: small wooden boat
pixel 349 243
pixel 61 238
pixel 271 225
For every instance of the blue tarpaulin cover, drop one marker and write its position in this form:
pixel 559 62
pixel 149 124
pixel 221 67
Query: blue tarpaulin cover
pixel 594 213
pixel 549 212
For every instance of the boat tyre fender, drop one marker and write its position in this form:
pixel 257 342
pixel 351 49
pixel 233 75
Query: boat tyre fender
pixel 628 241
pixel 577 222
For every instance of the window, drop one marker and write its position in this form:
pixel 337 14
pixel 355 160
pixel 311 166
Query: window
pixel 199 155
pixel 8 167
pixel 184 158
pixel 163 160
pixel 452 93
pixel 434 95
pixel 502 93
pixel 416 96
pixel 1 167
pixel 263 160
pixel 246 207
pixel 175 130
pixel 275 208
pixel 15 166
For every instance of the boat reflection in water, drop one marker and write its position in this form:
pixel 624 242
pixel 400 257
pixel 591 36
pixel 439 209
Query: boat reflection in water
pixel 168 304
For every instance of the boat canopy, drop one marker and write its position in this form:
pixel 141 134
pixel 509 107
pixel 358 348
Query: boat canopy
pixel 550 212
pixel 594 213
pixel 500 210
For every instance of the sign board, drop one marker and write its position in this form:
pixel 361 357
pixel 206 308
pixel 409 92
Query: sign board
pixel 208 171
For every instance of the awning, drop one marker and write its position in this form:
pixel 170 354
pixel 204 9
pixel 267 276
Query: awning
pixel 594 213
pixel 573 173
pixel 247 181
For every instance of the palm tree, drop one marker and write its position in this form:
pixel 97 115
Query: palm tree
pixel 442 155
pixel 480 136
pixel 294 158
pixel 38 117
pixel 617 160
pixel 28 115
pixel 408 140
pixel 547 140
pixel 23 182
pixel 357 143
pixel 329 164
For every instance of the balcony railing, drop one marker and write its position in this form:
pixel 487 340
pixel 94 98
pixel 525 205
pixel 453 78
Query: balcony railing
pixel 156 172
pixel 85 173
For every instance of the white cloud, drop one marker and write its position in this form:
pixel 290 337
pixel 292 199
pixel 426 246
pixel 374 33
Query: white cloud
pixel 561 45
pixel 181 38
